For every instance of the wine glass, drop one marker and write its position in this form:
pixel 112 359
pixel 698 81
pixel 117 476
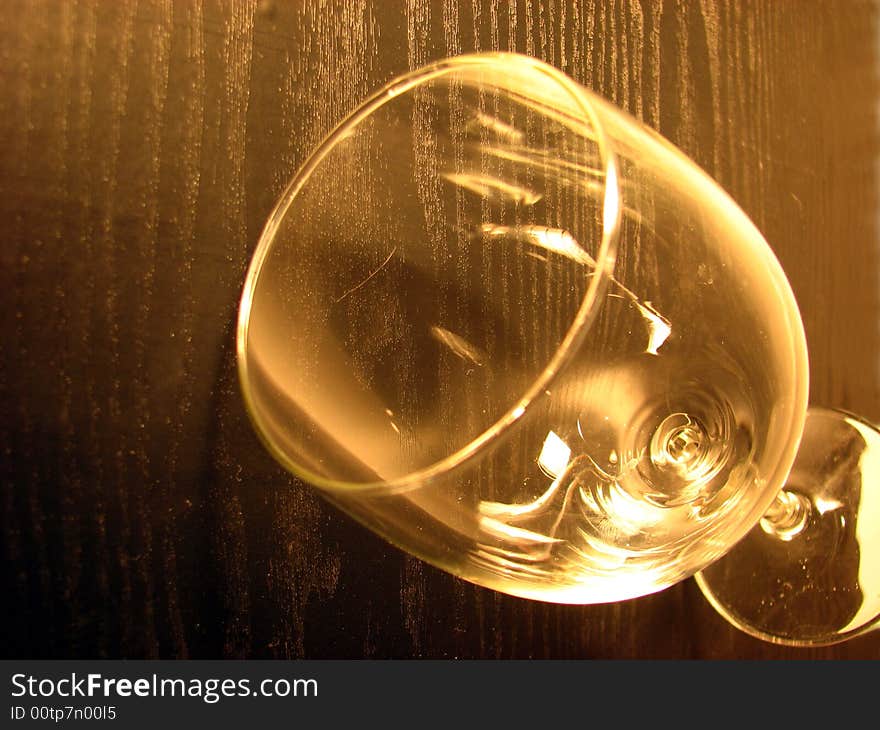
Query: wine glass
pixel 521 336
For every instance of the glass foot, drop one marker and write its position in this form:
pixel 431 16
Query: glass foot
pixel 809 573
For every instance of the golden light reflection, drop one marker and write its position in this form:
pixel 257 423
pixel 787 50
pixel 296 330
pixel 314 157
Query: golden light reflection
pixel 826 505
pixel 554 456
pixel 517 534
pixel 501 129
pixel 611 209
pixel 555 240
pixel 487 186
pixel 459 346
pixel 553 461
pixel 631 514
pixel 659 327
pixel 867 530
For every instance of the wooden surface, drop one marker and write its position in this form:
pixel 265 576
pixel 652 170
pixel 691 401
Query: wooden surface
pixel 143 144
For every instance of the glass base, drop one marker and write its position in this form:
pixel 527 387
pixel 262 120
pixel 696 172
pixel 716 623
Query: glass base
pixel 809 573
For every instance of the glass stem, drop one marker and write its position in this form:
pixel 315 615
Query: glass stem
pixel 787 516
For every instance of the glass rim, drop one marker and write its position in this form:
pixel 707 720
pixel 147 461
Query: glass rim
pixel 575 334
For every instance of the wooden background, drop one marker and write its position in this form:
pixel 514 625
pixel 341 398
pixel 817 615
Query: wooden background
pixel 142 145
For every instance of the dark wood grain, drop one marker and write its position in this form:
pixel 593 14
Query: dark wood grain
pixel 143 145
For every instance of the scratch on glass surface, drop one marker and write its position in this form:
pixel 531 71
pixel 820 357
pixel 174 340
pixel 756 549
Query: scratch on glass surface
pixel 358 286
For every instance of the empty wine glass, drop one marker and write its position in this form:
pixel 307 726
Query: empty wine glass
pixel 521 336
